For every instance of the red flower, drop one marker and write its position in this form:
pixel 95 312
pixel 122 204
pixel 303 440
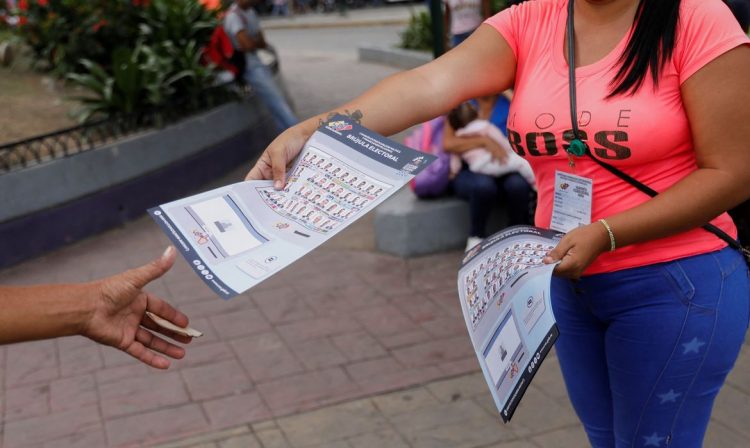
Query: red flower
pixel 98 25
pixel 23 5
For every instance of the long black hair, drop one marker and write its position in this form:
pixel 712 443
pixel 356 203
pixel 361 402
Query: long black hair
pixel 650 46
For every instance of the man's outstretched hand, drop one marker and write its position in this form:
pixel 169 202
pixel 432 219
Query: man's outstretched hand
pixel 118 316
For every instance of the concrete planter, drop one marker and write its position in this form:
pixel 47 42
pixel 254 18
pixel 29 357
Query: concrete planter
pixel 395 57
pixel 67 199
pixel 6 54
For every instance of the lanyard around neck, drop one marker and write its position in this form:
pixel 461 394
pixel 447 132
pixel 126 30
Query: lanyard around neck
pixel 577 146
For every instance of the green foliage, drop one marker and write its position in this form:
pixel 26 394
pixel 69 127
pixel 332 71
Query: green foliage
pixel 178 21
pixel 5 35
pixel 418 34
pixel 131 57
pixel 497 6
pixel 62 32
pixel 146 79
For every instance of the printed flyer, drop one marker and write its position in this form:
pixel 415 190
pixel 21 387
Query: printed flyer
pixel 236 236
pixel 504 290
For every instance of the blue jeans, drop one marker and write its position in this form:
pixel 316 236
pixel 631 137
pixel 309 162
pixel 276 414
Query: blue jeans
pixel 482 191
pixel 260 78
pixel 644 351
pixel 280 9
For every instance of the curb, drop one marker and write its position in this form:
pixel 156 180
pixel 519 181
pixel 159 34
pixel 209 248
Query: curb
pixel 344 23
pixel 395 57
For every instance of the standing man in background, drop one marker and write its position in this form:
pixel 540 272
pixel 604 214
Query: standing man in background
pixel 243 27
pixel 462 17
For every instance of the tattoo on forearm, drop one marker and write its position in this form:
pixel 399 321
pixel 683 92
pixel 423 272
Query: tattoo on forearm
pixel 355 116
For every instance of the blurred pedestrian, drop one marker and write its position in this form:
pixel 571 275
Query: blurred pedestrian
pixel 280 8
pixel 462 17
pixel 243 27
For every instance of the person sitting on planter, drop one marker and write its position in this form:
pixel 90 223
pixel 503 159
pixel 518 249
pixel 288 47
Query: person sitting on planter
pixel 243 27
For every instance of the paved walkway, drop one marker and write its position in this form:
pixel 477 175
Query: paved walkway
pixel 345 348
pixel 338 325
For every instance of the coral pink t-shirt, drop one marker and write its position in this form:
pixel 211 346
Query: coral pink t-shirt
pixel 646 135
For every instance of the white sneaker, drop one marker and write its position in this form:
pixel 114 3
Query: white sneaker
pixel 471 242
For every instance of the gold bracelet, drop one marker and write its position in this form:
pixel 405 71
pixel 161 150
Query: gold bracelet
pixel 612 245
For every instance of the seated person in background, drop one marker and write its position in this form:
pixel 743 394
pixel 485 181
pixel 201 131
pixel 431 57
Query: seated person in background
pixel 481 191
pixel 465 120
pixel 243 27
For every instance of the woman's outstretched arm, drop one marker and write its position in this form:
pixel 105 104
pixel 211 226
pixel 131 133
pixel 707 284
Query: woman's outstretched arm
pixel 483 64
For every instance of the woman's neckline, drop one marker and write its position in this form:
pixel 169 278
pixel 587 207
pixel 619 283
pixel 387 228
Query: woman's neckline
pixel 607 62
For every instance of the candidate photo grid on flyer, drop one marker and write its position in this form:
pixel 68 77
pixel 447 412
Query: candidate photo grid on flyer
pixel 323 192
pixel 484 283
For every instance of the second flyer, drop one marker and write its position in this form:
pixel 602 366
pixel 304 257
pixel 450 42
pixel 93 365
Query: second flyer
pixel 504 290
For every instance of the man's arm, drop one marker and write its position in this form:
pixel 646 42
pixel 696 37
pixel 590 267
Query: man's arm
pixel 43 312
pixel 248 43
pixel 235 26
pixel 110 311
pixel 262 39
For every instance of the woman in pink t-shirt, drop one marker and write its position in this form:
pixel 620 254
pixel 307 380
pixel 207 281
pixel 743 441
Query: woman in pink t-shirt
pixel 652 309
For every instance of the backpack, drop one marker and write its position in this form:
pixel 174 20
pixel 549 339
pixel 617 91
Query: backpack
pixel 434 180
pixel 221 53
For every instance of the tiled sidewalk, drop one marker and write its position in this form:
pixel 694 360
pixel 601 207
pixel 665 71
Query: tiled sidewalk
pixel 451 413
pixel 455 413
pixel 309 358
pixel 338 325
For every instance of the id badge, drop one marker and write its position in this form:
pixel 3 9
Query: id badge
pixel 572 204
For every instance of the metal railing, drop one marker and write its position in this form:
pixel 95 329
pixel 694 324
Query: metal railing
pixel 85 137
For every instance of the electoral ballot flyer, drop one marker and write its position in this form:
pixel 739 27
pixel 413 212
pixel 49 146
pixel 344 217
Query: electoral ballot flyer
pixel 504 290
pixel 236 236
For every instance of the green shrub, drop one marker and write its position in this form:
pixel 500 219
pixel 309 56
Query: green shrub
pixel 418 34
pixel 131 57
pixel 178 21
pixel 497 6
pixel 62 32
pixel 149 79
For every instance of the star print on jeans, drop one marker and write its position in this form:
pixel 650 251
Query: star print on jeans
pixel 692 346
pixel 652 440
pixel 669 397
